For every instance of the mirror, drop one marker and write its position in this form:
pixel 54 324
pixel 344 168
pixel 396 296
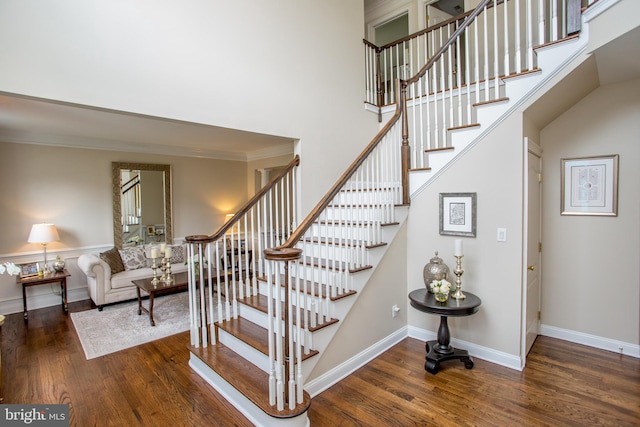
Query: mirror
pixel 141 204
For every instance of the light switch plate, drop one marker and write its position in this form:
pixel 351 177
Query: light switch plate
pixel 502 235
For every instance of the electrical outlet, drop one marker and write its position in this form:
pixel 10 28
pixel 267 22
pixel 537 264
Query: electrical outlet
pixel 395 310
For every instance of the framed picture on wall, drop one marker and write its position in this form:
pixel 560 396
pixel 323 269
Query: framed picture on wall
pixel 458 214
pixel 589 186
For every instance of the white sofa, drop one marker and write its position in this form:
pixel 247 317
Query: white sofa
pixel 106 288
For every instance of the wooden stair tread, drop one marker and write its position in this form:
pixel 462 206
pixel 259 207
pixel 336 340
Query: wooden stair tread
pixel 247 378
pixel 358 205
pixel 350 190
pixel 339 265
pixel 261 303
pixel 437 150
pixel 492 101
pixel 469 126
pixel 355 223
pixel 342 242
pixel 313 289
pixel 252 334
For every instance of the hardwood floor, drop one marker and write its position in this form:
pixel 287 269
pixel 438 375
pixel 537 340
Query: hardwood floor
pixel 563 384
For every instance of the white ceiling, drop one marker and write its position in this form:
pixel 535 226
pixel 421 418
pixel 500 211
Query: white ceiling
pixel 36 121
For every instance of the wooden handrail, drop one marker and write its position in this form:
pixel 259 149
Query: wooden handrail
pixel 201 238
pixel 424 31
pixel 400 109
pixel 470 18
pixel 324 202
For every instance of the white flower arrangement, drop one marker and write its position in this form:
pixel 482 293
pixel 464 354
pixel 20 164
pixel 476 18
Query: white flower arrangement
pixel 10 268
pixel 440 286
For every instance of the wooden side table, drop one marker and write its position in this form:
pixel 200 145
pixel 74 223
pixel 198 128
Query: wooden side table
pixel 440 350
pixel 60 277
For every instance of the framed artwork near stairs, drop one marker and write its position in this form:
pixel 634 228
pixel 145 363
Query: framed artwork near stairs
pixel 458 214
pixel 589 186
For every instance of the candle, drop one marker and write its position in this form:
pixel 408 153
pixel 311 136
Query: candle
pixel 163 246
pixel 458 248
pixel 167 252
pixel 154 253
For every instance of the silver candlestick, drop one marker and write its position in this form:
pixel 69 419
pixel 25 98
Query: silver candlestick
pixel 458 272
pixel 167 278
pixel 154 267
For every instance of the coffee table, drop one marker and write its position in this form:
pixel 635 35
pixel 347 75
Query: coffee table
pixel 180 283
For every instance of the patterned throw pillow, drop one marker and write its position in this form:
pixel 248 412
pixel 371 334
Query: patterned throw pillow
pixel 133 258
pixel 177 254
pixel 112 257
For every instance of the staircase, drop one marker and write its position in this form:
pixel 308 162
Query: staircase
pixel 268 292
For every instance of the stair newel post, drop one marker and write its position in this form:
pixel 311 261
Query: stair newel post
pixel 405 152
pixel 200 328
pixel 286 255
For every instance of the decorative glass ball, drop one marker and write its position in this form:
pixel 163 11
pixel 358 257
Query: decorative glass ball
pixel 435 270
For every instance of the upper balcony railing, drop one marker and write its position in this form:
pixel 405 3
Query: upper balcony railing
pixel 506 49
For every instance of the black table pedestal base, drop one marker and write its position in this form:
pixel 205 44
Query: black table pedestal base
pixel 436 354
pixel 439 350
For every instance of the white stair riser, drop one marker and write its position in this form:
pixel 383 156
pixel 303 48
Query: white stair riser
pixel 249 353
pixel 366 213
pixel 353 254
pixel 369 233
pixel 365 197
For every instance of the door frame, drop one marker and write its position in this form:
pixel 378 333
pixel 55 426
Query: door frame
pixel 529 147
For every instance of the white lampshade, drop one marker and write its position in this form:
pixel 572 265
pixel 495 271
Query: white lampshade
pixel 43 233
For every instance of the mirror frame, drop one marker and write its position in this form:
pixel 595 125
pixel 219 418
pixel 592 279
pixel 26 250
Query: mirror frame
pixel 116 167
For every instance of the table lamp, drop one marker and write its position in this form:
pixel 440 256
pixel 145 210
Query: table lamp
pixel 43 234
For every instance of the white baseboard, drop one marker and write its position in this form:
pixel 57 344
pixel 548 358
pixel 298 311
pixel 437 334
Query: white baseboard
pixel 323 382
pixel 490 355
pixel 602 343
pixel 34 302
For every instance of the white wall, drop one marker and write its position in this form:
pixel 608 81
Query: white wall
pixel 590 272
pixel 282 67
pixel 492 270
pixel 71 188
pixel 370 321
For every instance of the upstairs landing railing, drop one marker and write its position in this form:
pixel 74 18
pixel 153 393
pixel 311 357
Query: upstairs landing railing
pixel 461 64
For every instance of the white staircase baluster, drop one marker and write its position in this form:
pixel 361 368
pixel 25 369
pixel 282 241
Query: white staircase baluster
pixel 529 37
pixel 505 42
pixel 518 38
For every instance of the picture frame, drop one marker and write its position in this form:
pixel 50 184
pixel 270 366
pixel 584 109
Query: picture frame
pixel 29 269
pixel 458 214
pixel 589 186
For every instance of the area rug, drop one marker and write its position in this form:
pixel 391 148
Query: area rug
pixel 119 326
